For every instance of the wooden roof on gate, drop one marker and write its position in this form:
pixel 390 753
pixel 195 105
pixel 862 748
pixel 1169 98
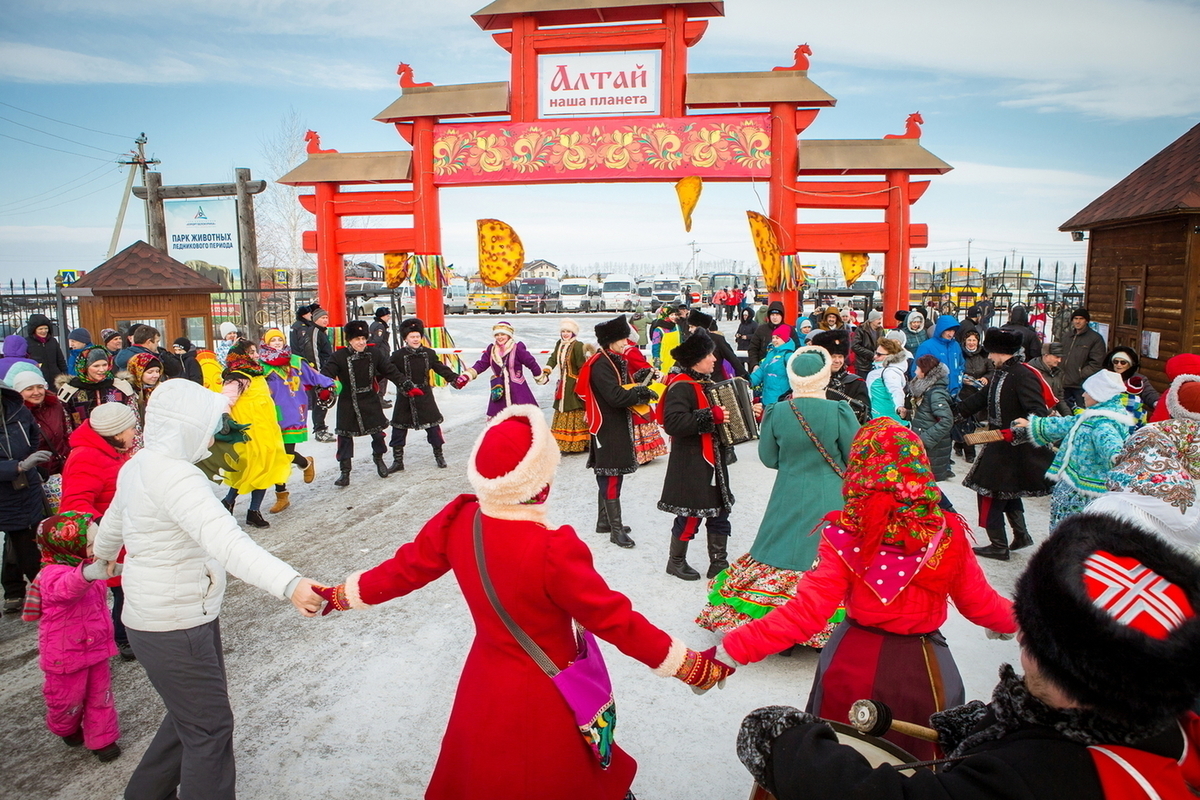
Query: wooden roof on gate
pixel 352 168
pixel 733 89
pixel 1169 183
pixel 868 157
pixel 456 100
pixel 499 15
pixel 141 269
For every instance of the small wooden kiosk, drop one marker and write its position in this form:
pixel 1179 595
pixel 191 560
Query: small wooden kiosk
pixel 1143 262
pixel 143 284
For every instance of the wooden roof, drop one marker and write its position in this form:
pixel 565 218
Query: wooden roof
pixel 1169 183
pixel 141 269
pixel 500 14
pixel 456 100
pixel 734 89
pixel 868 157
pixel 352 168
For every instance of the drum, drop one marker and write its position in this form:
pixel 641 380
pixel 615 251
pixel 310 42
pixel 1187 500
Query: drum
pixel 739 425
pixel 875 750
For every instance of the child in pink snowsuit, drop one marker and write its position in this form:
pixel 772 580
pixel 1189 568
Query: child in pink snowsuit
pixel 75 637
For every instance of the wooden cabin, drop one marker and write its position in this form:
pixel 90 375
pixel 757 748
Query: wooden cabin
pixel 1143 261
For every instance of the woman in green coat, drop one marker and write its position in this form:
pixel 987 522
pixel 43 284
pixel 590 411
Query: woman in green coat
pixel 569 427
pixel 807 439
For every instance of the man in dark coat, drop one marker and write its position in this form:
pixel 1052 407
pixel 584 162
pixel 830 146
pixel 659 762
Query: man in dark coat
pixel 1004 472
pixel 1049 364
pixel 606 403
pixel 310 341
pixel 416 409
pixel 696 486
pixel 44 348
pixel 1018 322
pixel 970 324
pixel 866 339
pixel 843 384
pixel 699 321
pixel 380 336
pixel 1110 651
pixel 760 342
pixel 359 411
pixel 22 498
pixel 1083 356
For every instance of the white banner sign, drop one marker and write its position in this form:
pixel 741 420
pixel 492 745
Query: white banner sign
pixel 205 231
pixel 599 84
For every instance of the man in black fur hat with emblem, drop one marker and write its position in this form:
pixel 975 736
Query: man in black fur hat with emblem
pixel 359 409
pixel 416 409
pixel 606 402
pixel 696 487
pixel 844 385
pixel 699 321
pixel 1005 472
pixel 1110 650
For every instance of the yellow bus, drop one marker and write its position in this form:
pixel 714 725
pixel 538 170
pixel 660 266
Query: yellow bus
pixel 920 281
pixel 960 286
pixel 482 298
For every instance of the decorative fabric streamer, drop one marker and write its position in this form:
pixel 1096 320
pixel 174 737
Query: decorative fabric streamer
pixel 428 271
pixel 792 275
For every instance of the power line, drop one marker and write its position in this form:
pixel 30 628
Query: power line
pixel 63 203
pixel 56 188
pixel 56 136
pixel 55 149
pixel 60 122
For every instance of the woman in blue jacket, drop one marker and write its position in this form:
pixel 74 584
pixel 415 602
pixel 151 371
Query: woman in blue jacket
pixel 770 376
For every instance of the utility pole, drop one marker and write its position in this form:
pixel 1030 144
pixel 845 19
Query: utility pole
pixel 695 252
pixel 135 160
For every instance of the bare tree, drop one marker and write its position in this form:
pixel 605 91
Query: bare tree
pixel 281 220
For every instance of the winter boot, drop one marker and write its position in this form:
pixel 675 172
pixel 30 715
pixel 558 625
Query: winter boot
pixel 397 460
pixel 229 504
pixel 438 458
pixel 310 470
pixel 677 563
pixel 998 549
pixel 1021 537
pixel 717 561
pixel 281 502
pixel 380 466
pixel 602 525
pixel 344 480
pixel 108 752
pixel 255 518
pixel 618 534
pixel 969 453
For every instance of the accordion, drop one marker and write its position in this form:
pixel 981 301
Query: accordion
pixel 739 425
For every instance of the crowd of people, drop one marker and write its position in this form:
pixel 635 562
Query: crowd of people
pixel 858 553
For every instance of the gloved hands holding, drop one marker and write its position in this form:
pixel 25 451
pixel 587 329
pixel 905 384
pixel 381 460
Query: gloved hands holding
pixel 415 392
pixel 325 394
pixel 96 570
pixel 644 394
pixel 702 671
pixel 641 374
pixel 335 597
pixel 461 381
pixel 991 634
pixel 33 459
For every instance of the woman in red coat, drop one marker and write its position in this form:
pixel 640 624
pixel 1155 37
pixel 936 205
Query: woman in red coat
pixel 896 559
pixel 543 578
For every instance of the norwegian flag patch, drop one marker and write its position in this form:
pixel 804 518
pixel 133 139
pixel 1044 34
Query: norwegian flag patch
pixel 1134 595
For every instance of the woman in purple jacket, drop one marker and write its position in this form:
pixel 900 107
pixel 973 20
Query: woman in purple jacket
pixel 507 359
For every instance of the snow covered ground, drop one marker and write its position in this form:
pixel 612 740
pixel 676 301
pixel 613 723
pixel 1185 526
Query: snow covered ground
pixel 355 703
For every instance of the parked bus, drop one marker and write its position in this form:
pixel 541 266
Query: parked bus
pixel 455 296
pixel 645 291
pixel 619 293
pixel 1020 283
pixel 579 294
pixel 721 280
pixel 665 288
pixel 538 295
pixel 491 299
pixel 920 281
pixel 960 287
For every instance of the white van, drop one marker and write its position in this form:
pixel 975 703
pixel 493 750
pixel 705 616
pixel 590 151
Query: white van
pixel 618 293
pixel 578 294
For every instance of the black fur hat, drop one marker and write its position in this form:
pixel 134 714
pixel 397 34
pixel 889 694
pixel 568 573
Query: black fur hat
pixel 1108 611
pixel 835 342
pixel 382 312
pixel 614 330
pixel 693 349
pixel 1001 341
pixel 355 328
pixel 409 325
pixel 698 319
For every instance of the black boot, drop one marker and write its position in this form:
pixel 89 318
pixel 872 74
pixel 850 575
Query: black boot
pixel 229 503
pixel 618 534
pixel 602 525
pixel 717 559
pixel 677 563
pixel 380 466
pixel 1021 537
pixel 344 480
pixel 397 460
pixel 969 453
pixel 998 549
pixel 438 458
pixel 255 518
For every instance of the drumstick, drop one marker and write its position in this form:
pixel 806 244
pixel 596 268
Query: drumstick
pixel 875 718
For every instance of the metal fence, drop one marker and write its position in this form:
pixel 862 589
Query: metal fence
pixel 18 301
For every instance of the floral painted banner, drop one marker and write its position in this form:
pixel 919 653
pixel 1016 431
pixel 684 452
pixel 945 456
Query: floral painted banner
pixel 727 146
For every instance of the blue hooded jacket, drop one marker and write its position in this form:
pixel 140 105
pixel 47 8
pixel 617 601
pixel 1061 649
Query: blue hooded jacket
pixel 948 351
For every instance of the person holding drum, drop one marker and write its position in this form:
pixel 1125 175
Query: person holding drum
pixel 1110 650
pixel 895 559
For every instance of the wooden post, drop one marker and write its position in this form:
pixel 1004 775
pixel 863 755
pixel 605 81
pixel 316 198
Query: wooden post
pixel 248 253
pixel 156 223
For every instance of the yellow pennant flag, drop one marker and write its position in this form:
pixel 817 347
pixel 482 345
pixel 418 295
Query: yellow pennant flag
pixel 501 254
pixel 395 268
pixel 767 246
pixel 854 265
pixel 688 189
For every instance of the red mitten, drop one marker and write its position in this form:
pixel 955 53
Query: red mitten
pixel 461 381
pixel 325 394
pixel 336 597
pixel 415 392
pixel 718 415
pixel 702 671
pixel 1007 434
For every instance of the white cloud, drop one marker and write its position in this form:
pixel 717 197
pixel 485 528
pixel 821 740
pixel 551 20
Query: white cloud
pixel 34 64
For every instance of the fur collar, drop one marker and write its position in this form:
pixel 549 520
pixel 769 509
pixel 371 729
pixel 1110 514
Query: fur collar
pixel 1173 405
pixel 917 387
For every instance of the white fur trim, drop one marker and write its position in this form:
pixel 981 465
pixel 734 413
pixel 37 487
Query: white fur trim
pixel 1173 405
pixel 353 596
pixel 529 513
pixel 534 472
pixel 471 372
pixel 674 660
pixel 810 385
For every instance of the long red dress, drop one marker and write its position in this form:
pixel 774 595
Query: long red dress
pixel 511 734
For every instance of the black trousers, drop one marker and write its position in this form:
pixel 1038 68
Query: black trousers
pixel 22 560
pixel 685 528
pixel 433 435
pixel 345 446
pixel 318 413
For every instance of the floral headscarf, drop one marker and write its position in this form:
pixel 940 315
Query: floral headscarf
pixel 238 361
pixel 87 356
pixel 63 538
pixel 137 367
pixel 890 494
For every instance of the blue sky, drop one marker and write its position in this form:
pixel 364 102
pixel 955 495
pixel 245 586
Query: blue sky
pixel 1040 106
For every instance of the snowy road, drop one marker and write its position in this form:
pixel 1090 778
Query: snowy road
pixel 354 704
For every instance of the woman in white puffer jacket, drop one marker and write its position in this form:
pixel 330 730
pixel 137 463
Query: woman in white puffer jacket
pixel 179 542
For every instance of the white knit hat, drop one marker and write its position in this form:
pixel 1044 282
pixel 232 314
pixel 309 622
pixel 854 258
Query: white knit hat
pixel 503 327
pixel 227 328
pixel 109 419
pixel 28 378
pixel 808 372
pixel 1104 385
